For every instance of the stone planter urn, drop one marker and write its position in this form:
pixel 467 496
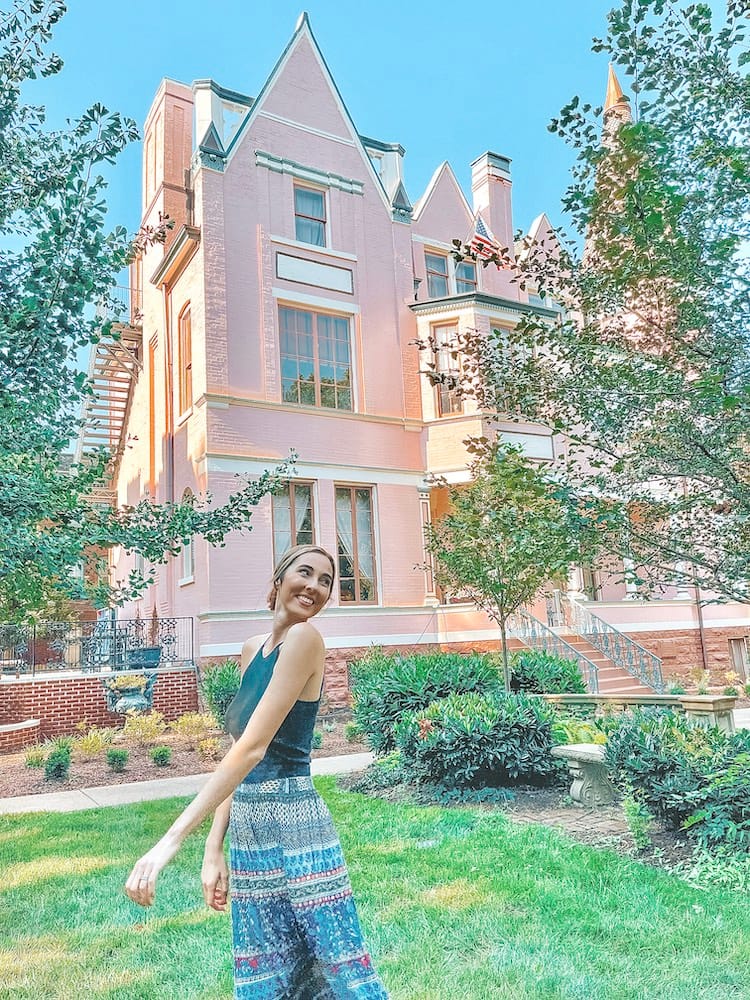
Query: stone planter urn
pixel 130 692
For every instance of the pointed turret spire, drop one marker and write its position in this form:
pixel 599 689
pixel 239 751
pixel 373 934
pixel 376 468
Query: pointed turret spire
pixel 616 103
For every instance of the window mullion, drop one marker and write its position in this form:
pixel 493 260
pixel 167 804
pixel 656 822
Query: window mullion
pixel 316 360
pixel 355 544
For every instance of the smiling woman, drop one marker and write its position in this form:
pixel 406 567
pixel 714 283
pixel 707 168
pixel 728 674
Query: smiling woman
pixel 295 926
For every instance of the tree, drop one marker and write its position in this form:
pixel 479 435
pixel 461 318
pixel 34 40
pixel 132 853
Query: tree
pixel 509 532
pixel 56 262
pixel 647 373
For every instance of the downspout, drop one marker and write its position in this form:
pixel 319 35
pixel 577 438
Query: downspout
pixel 169 421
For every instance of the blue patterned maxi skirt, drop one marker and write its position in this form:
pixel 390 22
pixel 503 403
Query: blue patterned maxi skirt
pixel 294 922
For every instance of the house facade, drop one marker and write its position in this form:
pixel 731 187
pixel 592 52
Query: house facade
pixel 282 313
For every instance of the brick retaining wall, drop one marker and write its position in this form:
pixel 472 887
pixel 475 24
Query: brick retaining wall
pixel 60 702
pixel 17 736
pixel 680 651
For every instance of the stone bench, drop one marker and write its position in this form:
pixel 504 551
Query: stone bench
pixel 591 785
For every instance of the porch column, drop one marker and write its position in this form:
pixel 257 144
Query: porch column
pixel 575 585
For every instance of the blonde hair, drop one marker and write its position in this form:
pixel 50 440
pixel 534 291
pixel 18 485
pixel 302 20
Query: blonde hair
pixel 290 557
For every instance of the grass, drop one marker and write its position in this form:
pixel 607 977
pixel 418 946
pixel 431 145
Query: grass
pixel 455 903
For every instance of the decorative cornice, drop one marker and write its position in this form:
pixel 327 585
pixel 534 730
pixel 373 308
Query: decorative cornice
pixel 451 302
pixel 184 246
pixel 280 165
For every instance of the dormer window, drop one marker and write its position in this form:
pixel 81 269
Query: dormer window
pixel 437 274
pixel 466 276
pixel 446 277
pixel 310 216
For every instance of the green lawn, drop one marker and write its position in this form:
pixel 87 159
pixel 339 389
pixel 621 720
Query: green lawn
pixel 456 904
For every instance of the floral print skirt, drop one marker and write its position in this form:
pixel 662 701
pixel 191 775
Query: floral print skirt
pixel 295 927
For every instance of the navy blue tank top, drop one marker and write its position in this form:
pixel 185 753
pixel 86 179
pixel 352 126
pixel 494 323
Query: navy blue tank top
pixel 288 753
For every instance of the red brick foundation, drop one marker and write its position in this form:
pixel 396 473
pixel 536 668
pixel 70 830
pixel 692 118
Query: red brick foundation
pixel 17 736
pixel 680 652
pixel 60 702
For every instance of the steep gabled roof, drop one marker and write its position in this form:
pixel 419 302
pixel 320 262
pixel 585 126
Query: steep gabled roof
pixel 303 36
pixel 443 173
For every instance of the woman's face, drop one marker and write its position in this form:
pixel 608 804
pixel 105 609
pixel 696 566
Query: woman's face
pixel 306 586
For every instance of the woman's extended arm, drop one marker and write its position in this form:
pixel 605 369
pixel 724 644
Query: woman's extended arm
pixel 302 656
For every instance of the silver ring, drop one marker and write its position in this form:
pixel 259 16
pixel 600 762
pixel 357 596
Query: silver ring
pixel 142 880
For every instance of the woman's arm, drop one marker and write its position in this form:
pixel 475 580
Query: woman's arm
pixel 302 656
pixel 214 871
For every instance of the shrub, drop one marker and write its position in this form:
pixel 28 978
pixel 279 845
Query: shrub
pixel 219 684
pixel 689 777
pixel 577 730
pixel 328 727
pixel 721 868
pixel 747 689
pixel 94 741
pixel 57 765
pixel 143 728
pixel 384 772
pixel 471 740
pixel 62 743
pixel 639 821
pixel 352 732
pixel 210 748
pixel 192 727
pixel 542 673
pixel 161 756
pixel 385 686
pixel 731 692
pixel 317 740
pixel 676 688
pixel 34 757
pixel 117 758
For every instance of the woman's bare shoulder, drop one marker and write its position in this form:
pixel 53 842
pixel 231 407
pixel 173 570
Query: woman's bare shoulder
pixel 250 647
pixel 306 634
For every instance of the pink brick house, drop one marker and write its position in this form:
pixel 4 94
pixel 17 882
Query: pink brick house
pixel 281 314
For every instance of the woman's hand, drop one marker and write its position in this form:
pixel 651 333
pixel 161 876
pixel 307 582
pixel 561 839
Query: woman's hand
pixel 141 884
pixel 215 879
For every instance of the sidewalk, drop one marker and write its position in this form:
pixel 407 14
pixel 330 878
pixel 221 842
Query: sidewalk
pixel 161 788
pixel 742 718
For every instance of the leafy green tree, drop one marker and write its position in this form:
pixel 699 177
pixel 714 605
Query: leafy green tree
pixel 57 261
pixel 509 532
pixel 647 372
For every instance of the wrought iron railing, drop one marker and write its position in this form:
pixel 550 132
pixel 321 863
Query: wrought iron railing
pixel 537 635
pixel 620 648
pixel 127 644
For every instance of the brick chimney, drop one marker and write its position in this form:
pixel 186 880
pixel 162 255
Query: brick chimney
pixel 490 188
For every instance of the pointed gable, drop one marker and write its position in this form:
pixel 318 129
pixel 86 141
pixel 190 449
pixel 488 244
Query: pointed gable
pixel 443 213
pixel 541 232
pixel 303 91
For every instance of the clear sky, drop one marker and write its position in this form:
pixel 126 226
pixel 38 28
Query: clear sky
pixel 446 80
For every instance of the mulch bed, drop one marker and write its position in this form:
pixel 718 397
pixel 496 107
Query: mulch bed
pixel 18 779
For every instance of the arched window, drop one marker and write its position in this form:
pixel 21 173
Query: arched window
pixel 185 359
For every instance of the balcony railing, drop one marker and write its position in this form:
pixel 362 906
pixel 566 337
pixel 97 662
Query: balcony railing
pixel 93 647
pixel 620 648
pixel 123 305
pixel 536 635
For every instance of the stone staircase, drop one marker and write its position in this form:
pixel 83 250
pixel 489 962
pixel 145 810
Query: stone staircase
pixel 612 678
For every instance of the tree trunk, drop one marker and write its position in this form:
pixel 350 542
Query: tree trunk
pixel 504 647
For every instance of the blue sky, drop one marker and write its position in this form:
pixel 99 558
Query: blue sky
pixel 447 81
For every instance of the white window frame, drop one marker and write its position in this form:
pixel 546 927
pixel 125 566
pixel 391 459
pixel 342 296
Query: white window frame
pixel 303 186
pixel 438 251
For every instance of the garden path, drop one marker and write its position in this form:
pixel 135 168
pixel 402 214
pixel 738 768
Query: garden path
pixel 160 788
